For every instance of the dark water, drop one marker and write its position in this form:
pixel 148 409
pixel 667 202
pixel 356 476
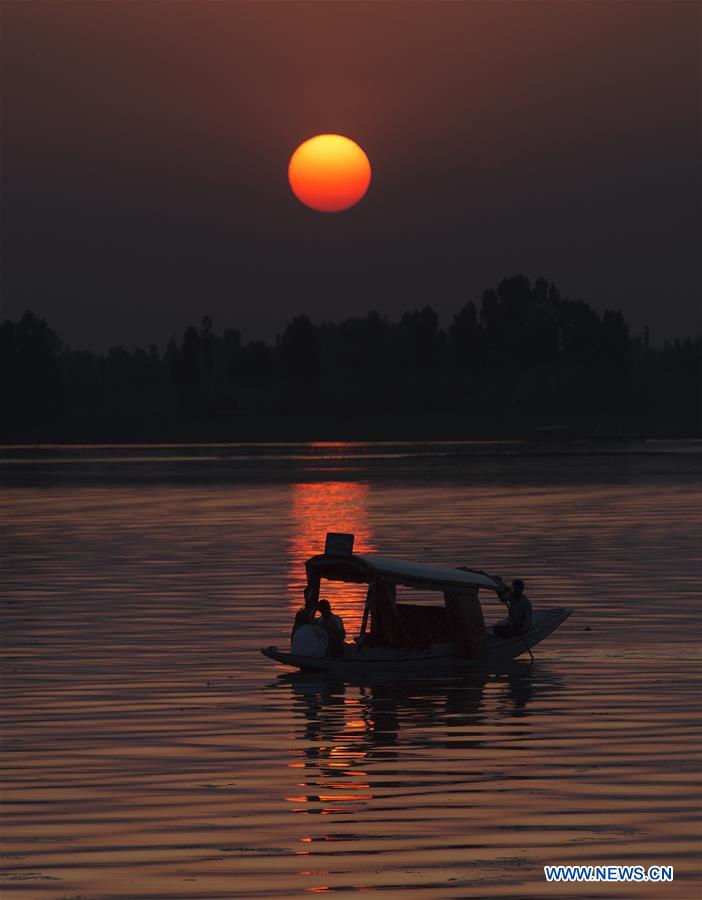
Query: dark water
pixel 150 751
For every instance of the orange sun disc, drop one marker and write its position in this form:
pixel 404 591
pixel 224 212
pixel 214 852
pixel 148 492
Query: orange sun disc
pixel 329 173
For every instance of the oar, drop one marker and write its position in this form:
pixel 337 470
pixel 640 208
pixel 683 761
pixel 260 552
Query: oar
pixel 527 646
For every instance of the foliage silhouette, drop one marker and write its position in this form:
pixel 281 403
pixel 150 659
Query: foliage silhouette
pixel 525 362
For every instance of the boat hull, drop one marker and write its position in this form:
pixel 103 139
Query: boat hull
pixel 436 660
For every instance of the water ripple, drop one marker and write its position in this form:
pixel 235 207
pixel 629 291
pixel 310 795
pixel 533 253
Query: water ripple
pixel 149 751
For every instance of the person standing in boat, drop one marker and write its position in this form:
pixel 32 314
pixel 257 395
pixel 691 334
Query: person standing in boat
pixel 334 627
pixel 518 610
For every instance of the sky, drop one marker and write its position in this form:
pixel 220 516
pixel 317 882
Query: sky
pixel 145 148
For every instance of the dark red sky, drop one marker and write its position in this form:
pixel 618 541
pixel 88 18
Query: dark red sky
pixel 145 147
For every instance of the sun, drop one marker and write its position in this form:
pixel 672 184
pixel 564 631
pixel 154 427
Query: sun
pixel 329 173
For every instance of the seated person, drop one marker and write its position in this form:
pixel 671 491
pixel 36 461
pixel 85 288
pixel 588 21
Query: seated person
pixel 304 615
pixel 334 627
pixel 518 610
pixel 310 640
pixel 307 637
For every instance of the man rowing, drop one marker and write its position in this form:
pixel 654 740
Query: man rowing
pixel 518 609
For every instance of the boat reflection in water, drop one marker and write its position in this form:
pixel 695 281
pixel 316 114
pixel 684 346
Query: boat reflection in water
pixel 356 734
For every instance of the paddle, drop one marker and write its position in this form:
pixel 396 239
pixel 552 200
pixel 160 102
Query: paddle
pixel 521 634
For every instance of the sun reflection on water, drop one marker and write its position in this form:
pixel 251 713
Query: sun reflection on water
pixel 317 508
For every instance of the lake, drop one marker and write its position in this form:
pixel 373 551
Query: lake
pixel 150 751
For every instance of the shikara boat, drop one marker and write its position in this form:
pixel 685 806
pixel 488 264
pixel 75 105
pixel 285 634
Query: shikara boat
pixel 415 638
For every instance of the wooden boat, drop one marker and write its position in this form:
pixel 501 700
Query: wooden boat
pixel 414 638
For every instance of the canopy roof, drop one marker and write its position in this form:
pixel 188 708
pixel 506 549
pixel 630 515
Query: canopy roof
pixel 364 567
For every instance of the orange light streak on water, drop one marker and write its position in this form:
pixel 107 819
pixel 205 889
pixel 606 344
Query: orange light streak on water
pixel 317 508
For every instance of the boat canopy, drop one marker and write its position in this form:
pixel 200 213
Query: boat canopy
pixel 363 568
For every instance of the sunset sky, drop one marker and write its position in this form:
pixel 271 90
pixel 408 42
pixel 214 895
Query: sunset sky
pixel 145 148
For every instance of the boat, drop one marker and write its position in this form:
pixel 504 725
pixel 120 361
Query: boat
pixel 414 638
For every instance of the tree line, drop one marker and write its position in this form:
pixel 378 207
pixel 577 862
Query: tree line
pixel 524 362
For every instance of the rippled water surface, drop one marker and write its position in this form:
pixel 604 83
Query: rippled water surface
pixel 150 751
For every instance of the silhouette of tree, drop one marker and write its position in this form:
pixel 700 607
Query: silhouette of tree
pixel 615 338
pixel 229 369
pixel 30 370
pixel 418 339
pixel 525 356
pixel 298 350
pixel 519 323
pixel 466 339
pixel 188 373
pixel 579 332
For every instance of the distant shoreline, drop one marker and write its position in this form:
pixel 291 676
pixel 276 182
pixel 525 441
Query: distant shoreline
pixel 259 433
pixel 526 364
